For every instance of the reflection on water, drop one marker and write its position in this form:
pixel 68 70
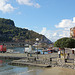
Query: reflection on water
pixel 1 63
pixel 17 49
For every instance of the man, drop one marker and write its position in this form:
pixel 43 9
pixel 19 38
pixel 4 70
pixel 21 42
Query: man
pixel 59 53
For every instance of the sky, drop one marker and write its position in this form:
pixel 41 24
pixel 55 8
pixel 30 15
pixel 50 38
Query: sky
pixel 52 18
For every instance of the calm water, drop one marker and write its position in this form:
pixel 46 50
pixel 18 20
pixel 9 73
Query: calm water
pixel 6 69
pixel 21 50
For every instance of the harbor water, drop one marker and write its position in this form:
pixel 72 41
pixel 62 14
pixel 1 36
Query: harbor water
pixel 21 50
pixel 6 69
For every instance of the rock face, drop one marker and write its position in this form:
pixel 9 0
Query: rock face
pixel 6 22
pixel 45 40
pixel 10 33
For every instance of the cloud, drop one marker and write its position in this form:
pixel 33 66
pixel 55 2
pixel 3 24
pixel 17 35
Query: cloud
pixel 5 7
pixel 65 33
pixel 47 33
pixel 37 5
pixel 43 31
pixel 63 30
pixel 66 23
pixel 55 34
pixel 26 2
pixel 29 3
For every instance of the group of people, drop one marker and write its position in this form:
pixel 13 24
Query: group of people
pixel 68 55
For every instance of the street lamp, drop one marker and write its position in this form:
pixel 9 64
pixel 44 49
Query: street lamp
pixel 37 40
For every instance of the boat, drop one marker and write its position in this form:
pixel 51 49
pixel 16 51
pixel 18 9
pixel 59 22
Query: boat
pixel 49 50
pixel 28 48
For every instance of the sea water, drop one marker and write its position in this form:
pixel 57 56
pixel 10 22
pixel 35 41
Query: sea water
pixel 6 69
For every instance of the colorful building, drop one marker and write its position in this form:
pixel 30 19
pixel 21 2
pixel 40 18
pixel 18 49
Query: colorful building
pixel 72 32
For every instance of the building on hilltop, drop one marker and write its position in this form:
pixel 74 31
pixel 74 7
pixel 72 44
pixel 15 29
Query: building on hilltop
pixel 72 32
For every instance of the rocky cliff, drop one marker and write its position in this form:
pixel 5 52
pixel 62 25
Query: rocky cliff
pixel 10 33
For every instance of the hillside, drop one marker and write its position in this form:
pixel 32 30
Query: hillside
pixel 9 33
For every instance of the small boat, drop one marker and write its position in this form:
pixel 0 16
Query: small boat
pixel 10 51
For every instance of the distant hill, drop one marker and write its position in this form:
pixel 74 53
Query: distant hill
pixel 10 33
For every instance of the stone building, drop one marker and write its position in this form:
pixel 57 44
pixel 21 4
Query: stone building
pixel 72 32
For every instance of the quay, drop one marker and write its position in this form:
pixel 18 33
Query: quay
pixel 26 63
pixel 12 55
pixel 44 60
pixel 23 59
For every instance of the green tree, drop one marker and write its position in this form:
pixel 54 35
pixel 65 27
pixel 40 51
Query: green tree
pixel 65 43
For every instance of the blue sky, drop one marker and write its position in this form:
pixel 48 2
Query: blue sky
pixel 52 18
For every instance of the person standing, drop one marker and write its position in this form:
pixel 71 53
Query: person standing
pixel 68 56
pixel 59 54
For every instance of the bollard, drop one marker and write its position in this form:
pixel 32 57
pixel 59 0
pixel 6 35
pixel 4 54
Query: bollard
pixel 35 59
pixel 50 60
pixel 65 60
